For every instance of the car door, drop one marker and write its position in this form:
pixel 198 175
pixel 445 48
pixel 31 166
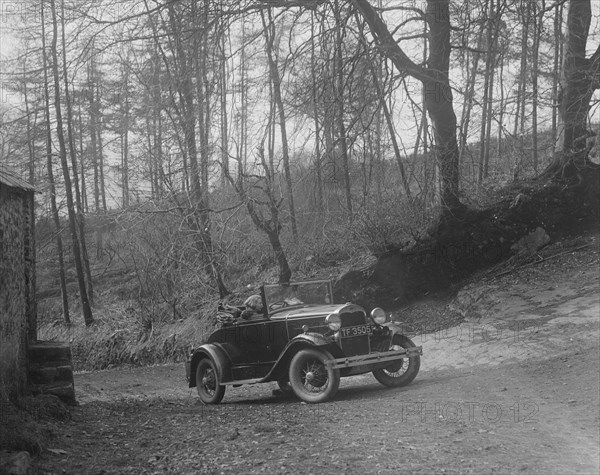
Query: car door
pixel 252 346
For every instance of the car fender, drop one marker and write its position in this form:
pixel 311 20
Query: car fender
pixel 219 357
pixel 315 339
pixel 304 340
pixel 395 328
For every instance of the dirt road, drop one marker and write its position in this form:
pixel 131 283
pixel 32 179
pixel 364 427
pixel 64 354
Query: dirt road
pixel 514 389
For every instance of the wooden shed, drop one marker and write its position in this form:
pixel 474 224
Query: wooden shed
pixel 18 320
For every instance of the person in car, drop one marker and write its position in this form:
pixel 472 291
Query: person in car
pixel 254 308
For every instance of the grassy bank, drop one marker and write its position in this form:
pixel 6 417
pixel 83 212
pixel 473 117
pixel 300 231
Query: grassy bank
pixel 122 335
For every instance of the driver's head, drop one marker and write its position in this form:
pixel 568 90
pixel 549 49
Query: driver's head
pixel 254 302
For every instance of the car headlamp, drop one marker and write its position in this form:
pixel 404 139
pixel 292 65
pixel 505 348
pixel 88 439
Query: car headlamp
pixel 334 322
pixel 378 316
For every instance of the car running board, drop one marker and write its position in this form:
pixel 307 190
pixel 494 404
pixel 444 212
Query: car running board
pixel 243 381
pixel 372 358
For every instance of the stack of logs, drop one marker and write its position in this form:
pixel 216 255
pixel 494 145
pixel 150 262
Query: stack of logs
pixel 51 370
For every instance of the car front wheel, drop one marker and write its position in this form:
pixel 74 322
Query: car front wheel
pixel 399 372
pixel 207 382
pixel 311 380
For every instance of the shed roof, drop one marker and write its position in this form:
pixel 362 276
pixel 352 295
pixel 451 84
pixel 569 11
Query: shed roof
pixel 11 179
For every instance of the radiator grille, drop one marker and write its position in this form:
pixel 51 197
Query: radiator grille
pixel 357 345
pixel 353 318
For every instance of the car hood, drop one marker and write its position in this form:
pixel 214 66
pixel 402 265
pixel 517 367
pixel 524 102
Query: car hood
pixel 307 311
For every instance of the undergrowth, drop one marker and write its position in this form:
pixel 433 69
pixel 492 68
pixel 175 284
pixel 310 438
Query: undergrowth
pixel 30 423
pixel 123 334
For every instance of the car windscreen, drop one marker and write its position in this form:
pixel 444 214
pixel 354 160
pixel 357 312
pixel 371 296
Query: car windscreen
pixel 299 293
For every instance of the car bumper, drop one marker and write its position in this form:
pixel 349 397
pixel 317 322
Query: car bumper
pixel 374 358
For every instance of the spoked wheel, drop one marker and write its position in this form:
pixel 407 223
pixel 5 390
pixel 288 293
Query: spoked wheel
pixel 400 372
pixel 310 379
pixel 207 383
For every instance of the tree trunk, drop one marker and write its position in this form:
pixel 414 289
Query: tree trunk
pixel 392 131
pixel 270 226
pixel 340 109
pixel 151 171
pixel 495 12
pixel 580 76
pixel 489 72
pixel 224 116
pixel 269 31
pixel 159 176
pixel 201 221
pixel 54 209
pixel 84 201
pixel 558 48
pixel 502 110
pixel 203 92
pixel 73 156
pixel 469 96
pixel 93 135
pixel 243 129
pixel 519 123
pixel 438 100
pixel 31 309
pixel 315 102
pixel 285 273
pixel 537 32
pixel 438 93
pixel 383 105
pixel 101 155
pixel 87 311
pixel 94 125
pixel 124 99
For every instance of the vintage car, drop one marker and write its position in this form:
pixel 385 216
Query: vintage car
pixel 305 343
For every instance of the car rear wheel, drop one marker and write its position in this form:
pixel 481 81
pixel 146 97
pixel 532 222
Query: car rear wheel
pixel 207 382
pixel 310 379
pixel 399 372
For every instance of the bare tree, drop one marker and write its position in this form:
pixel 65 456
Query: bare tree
pixel 580 77
pixel 270 224
pixel 54 209
pixel 269 33
pixel 435 79
pixel 538 24
pixel 316 117
pixel 87 310
pixel 73 156
pixel 557 61
pixel 339 87
pixel 493 27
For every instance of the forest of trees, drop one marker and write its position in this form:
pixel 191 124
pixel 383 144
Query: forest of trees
pixel 193 140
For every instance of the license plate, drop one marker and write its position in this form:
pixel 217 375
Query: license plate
pixel 357 330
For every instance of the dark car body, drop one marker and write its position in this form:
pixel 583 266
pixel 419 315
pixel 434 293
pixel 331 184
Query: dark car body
pixel 296 331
